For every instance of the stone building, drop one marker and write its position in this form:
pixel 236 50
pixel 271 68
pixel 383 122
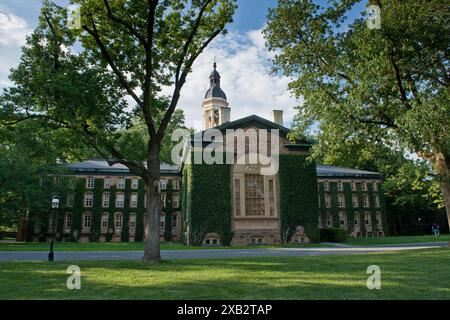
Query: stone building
pixel 235 203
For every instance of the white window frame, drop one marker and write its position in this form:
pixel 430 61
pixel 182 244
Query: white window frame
pixel 106 196
pixel 85 216
pixel 85 199
pixel 175 200
pixel 134 202
pixel 355 200
pixel 121 181
pixel 135 183
pixel 366 201
pixel 341 201
pixel 327 200
pixel 68 220
pixel 117 220
pixel 107 183
pixel 340 186
pixel 120 204
pixel 163 183
pixel 90 182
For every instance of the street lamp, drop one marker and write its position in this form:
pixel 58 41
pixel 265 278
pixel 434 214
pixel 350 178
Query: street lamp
pixel 55 206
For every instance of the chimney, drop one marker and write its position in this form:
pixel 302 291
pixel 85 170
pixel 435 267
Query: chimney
pixel 277 116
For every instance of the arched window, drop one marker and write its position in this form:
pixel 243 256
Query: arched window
pixel 343 219
pixel 329 219
pixel 118 220
pixel 132 222
pixel 104 222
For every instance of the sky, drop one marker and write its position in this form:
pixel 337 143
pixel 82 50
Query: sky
pixel 242 60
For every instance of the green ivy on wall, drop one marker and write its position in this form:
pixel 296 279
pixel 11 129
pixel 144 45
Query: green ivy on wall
pixel 208 198
pixel 298 196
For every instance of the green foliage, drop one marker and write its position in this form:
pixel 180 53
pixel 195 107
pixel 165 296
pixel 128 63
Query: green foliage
pixel 333 235
pixel 207 213
pixel 298 196
pixel 387 86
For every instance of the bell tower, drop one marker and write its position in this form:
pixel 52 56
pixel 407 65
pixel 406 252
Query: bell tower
pixel 215 105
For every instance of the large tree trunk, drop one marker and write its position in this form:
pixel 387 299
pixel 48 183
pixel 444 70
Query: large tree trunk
pixel 152 245
pixel 443 172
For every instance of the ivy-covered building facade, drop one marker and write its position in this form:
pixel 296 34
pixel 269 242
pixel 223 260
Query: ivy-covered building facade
pixel 237 203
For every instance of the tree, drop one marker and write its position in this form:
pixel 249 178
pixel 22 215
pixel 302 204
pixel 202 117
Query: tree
pixel 388 85
pixel 133 48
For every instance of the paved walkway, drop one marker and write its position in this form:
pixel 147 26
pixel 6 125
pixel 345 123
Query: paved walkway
pixel 214 253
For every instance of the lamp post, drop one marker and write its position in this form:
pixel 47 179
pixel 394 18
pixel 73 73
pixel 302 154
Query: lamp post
pixel 55 206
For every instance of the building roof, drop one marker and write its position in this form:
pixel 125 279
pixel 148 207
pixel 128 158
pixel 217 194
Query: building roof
pixel 215 91
pixel 101 166
pixel 323 171
pixel 335 172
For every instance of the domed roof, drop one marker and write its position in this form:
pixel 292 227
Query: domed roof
pixel 214 90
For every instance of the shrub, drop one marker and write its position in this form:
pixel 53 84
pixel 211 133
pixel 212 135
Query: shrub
pixel 333 235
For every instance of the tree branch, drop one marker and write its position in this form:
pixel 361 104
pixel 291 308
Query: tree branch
pixel 124 23
pixel 104 51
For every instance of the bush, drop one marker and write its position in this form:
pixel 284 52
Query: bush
pixel 333 235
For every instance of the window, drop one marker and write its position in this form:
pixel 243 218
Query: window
pixel 105 199
pixel 353 186
pixel 375 186
pixel 366 201
pixel 355 201
pixel 364 186
pixel 237 197
pixel 174 221
pixel 328 200
pixel 340 186
pixel 254 195
pixel 271 198
pixel 175 200
pixel 56 180
pixel 121 183
pixel 162 221
pixel 163 199
pixel 88 199
pixel 326 186
pixel 341 201
pixel 70 200
pixel 107 183
pixel 356 219
pixel 368 219
pixel 163 184
pixel 68 221
pixel 377 201
pixel 90 183
pixel 71 182
pixel 134 183
pixel 104 221
pixel 119 199
pixel 378 218
pixel 176 184
pixel 118 220
pixel 329 219
pixel 87 221
pixel 342 219
pixel 133 200
pixel 320 222
pixel 132 221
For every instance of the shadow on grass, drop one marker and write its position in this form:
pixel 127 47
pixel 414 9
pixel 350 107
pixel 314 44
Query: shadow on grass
pixel 405 275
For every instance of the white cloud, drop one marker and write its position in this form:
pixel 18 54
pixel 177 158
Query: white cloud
pixel 13 32
pixel 244 65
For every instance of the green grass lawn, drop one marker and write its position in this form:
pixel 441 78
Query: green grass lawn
pixel 418 274
pixel 396 240
pixel 128 246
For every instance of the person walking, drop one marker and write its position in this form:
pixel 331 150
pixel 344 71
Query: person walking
pixel 435 230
